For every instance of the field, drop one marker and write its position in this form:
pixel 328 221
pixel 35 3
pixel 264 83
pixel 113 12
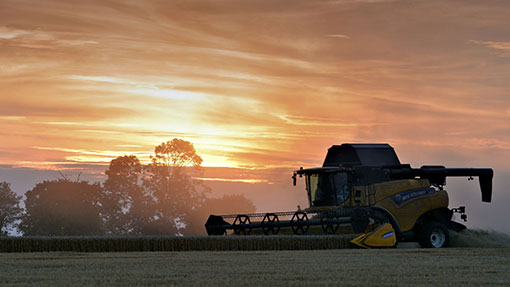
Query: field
pixel 390 267
pixel 478 258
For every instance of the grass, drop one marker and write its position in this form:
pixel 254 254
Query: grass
pixel 348 267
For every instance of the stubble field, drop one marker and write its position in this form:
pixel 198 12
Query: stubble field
pixel 348 267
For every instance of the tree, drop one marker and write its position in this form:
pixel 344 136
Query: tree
pixel 63 207
pixel 10 211
pixel 170 182
pixel 126 208
pixel 162 197
pixel 176 153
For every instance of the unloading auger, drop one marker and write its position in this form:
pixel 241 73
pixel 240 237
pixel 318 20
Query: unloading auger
pixel 364 190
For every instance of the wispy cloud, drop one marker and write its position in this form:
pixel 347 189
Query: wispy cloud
pixel 502 47
pixel 12 118
pixel 141 88
pixel 341 36
pixel 315 121
pixel 40 39
pixel 95 156
pixel 9 33
pixel 252 181
pixel 100 79
pixel 71 43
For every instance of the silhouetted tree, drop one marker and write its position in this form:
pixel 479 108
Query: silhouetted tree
pixel 126 208
pixel 10 211
pixel 176 154
pixel 169 180
pixel 63 207
pixel 162 197
pixel 228 204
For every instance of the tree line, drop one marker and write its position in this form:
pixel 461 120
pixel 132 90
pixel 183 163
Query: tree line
pixel 160 198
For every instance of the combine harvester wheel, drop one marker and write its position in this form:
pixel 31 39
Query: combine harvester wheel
pixel 434 235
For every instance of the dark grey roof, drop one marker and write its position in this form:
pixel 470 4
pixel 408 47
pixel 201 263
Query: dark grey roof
pixel 361 154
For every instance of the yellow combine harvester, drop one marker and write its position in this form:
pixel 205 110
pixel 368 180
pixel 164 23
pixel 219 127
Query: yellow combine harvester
pixel 363 189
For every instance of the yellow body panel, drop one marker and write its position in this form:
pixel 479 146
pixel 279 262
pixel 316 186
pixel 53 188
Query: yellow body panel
pixel 389 188
pixel 382 236
pixel 406 214
pixel 371 194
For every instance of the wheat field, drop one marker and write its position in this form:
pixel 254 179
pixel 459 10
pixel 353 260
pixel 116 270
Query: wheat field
pixel 172 243
pixel 347 267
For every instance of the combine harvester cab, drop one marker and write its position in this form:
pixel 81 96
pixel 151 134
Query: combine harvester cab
pixel 363 189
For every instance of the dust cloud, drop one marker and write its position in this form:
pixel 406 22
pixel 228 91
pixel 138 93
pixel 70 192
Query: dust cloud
pixel 479 238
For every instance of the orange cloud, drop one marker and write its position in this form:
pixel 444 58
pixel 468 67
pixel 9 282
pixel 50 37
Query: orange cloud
pixel 251 84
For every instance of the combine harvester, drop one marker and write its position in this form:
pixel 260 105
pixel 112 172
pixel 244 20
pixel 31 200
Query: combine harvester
pixel 364 190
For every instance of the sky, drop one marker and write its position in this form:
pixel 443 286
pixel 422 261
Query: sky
pixel 259 87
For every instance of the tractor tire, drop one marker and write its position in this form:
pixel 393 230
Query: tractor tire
pixel 434 235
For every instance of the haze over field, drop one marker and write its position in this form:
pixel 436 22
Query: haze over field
pixel 260 87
